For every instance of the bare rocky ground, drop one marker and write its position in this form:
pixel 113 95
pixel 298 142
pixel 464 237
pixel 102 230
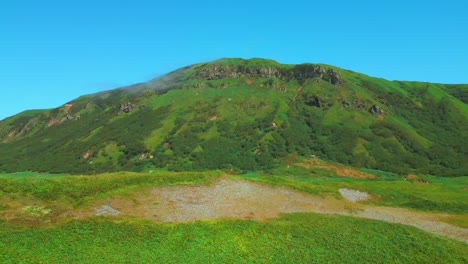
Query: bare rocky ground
pixel 353 195
pixel 237 199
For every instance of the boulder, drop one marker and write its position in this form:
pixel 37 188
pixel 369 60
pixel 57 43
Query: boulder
pixel 375 110
pixel 127 107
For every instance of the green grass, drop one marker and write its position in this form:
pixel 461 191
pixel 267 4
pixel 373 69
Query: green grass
pixel 458 220
pixel 439 195
pixel 295 238
pixel 158 135
pixel 29 175
pixel 77 190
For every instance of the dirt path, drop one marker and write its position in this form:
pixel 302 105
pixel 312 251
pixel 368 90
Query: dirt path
pixel 238 199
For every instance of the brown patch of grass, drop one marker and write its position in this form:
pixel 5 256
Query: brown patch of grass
pixel 338 169
pixel 456 220
pixel 68 107
pixel 347 172
pixel 414 179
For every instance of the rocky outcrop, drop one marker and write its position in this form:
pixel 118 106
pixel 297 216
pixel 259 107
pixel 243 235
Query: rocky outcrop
pixel 216 72
pixel 312 101
pixel 345 104
pixel 303 72
pixel 300 72
pixel 129 107
pixel 63 119
pixel 126 107
pixel 273 85
pixel 375 110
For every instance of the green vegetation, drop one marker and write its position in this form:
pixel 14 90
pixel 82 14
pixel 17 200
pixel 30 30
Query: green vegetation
pixel 77 190
pixel 39 235
pixel 246 115
pixel 258 120
pixel 296 238
pixel 433 194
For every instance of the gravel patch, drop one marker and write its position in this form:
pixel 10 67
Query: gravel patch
pixel 353 195
pixel 225 199
pixel 234 199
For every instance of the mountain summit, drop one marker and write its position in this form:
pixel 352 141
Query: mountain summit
pixel 247 115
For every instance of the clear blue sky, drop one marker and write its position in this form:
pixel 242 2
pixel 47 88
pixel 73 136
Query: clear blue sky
pixel 54 51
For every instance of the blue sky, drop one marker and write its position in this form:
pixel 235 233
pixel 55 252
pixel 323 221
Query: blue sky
pixel 54 51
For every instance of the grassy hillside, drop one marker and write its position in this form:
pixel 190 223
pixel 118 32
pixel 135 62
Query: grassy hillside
pixel 247 115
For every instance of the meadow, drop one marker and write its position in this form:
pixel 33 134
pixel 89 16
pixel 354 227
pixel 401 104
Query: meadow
pixel 295 238
pixel 38 235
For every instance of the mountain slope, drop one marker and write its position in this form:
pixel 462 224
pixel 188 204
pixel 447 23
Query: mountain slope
pixel 247 115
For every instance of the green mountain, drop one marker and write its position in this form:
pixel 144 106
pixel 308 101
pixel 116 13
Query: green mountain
pixel 247 115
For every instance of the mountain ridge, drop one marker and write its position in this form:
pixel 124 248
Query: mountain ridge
pixel 461 94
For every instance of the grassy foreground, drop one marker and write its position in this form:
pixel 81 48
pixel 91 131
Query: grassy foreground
pixel 295 238
pixel 78 190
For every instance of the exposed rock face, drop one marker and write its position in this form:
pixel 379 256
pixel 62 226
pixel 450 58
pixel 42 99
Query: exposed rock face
pixel 68 106
pixel 127 107
pixel 307 71
pixel 63 119
pixel 313 101
pixel 375 110
pixel 299 72
pixel 275 86
pixel 216 72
